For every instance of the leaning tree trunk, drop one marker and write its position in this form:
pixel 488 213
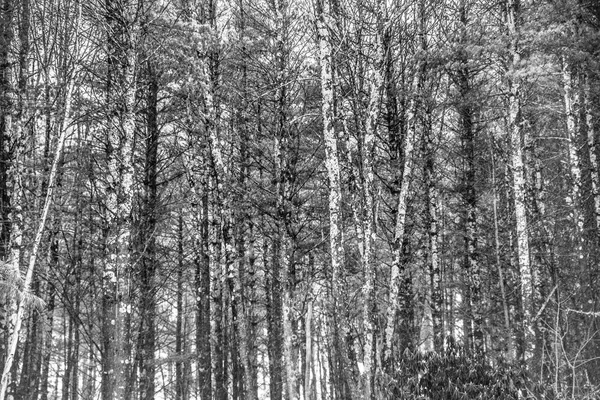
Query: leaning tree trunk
pixel 18 317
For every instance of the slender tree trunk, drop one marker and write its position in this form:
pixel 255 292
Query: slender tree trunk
pixel 467 112
pixel 396 278
pixel 147 243
pixel 283 175
pixel 431 327
pixel 592 150
pixel 48 335
pixel 121 95
pixel 308 349
pixel 7 103
pixel 203 295
pixel 53 259
pixel 180 378
pixel 274 344
pixel 519 188
pixel 240 231
pixel 10 228
pixel 18 317
pixel 368 217
pixel 324 23
pixel 510 350
pixel 68 351
pixel 573 103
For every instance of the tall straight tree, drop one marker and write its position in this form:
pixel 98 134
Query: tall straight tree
pixel 64 126
pixel 146 239
pixel 515 126
pixel 464 78
pixel 336 251
pixel 283 138
pixel 122 30
pixel 376 86
pixel 397 275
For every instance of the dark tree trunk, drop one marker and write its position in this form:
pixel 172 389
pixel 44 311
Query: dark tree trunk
pixel 181 378
pixel 467 112
pixel 274 326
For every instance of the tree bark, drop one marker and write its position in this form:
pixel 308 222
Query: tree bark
pixel 573 104
pixel 376 87
pixel 510 349
pixel 7 102
pixel 147 242
pixel 122 31
pixel 181 384
pixel 18 318
pixel 324 24
pixel 396 278
pixel 519 184
pixel 592 150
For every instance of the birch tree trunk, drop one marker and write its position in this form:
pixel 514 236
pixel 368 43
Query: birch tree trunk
pixel 330 137
pixel 593 150
pixel 9 185
pixel 7 102
pixel 376 86
pixel 324 25
pixel 430 336
pixel 216 216
pixel 18 318
pixel 519 184
pixel 400 223
pixel 572 99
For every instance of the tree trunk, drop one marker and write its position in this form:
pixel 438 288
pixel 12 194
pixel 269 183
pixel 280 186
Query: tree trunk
pixel 181 385
pixel 510 349
pixel 572 99
pixel 376 87
pixel 592 150
pixel 396 279
pixel 275 330
pixel 9 188
pixel 324 23
pixel 519 188
pixel 18 317
pixel 121 95
pixel 147 242
pixel 7 103
pixel 431 335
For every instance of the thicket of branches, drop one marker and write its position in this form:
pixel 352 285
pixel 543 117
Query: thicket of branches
pixel 214 199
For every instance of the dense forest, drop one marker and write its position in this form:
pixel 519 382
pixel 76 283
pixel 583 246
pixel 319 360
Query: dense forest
pixel 290 199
